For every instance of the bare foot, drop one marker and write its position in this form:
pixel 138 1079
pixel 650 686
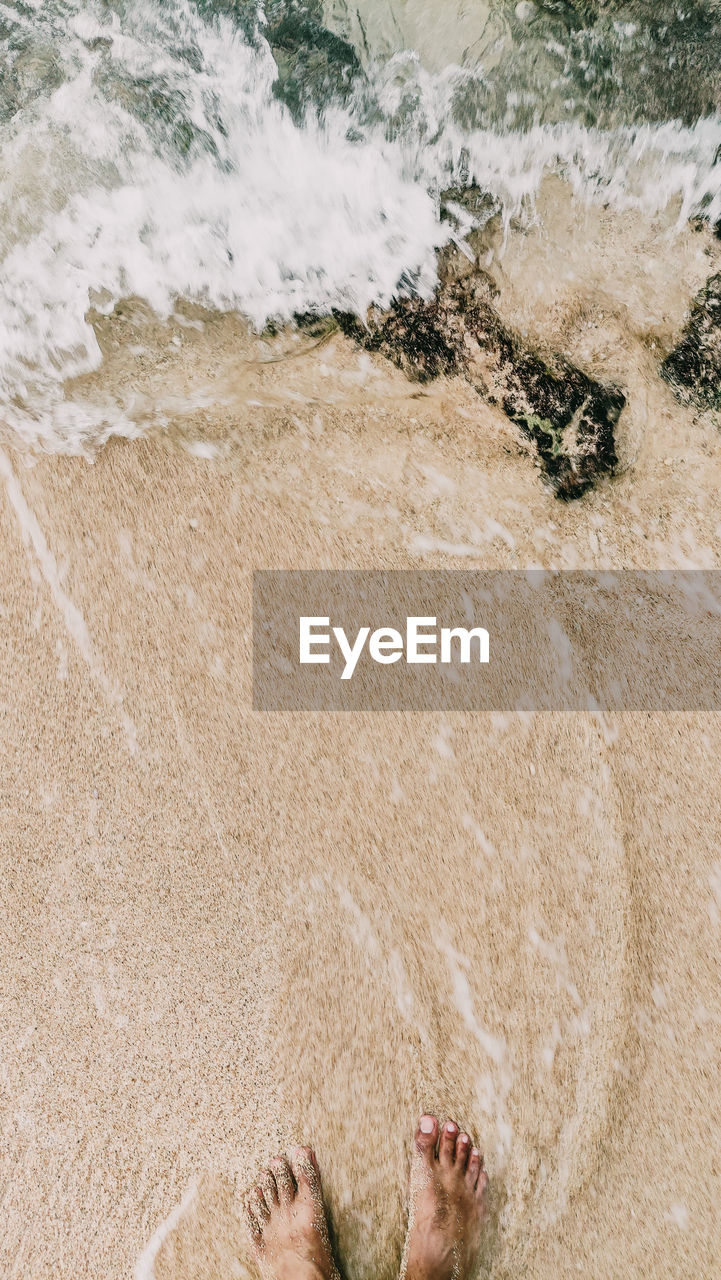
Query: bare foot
pixel 286 1218
pixel 447 1204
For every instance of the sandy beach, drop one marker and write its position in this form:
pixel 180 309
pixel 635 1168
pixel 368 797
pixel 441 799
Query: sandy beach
pixel 225 931
pixel 308 285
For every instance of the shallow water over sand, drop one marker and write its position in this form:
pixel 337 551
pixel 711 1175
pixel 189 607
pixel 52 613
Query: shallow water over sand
pixel 241 930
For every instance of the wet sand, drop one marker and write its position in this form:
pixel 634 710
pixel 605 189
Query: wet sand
pixel 224 932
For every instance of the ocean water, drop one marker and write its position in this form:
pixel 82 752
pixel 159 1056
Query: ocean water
pixel 279 160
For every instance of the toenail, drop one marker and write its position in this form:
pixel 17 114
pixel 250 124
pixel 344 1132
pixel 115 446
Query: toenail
pixel 464 1138
pixel 451 1127
pixel 475 1152
pixel 427 1124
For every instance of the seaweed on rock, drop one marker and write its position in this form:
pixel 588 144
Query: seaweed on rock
pixel 694 366
pixel 569 416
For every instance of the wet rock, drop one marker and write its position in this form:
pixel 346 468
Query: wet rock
pixel 694 366
pixel 27 71
pixel 570 417
pixel 99 44
pixel 717 226
pixel 162 109
pixel 314 66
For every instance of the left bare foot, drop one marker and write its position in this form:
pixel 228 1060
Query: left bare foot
pixel 286 1218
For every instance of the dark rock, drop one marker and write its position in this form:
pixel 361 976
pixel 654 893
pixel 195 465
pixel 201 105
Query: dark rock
pixel 694 366
pixel 314 66
pixel 717 226
pixel 99 44
pixel 161 107
pixel 570 417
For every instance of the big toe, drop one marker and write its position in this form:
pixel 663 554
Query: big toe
pixel 427 1137
pixel 305 1169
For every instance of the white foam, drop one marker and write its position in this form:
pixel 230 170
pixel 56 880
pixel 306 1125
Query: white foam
pixel 145 1266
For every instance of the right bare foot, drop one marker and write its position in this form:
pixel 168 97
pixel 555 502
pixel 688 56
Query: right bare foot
pixel 286 1219
pixel 447 1204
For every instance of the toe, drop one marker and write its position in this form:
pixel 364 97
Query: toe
pixel 253 1227
pixel 270 1188
pixel 256 1202
pixel 463 1147
pixel 427 1137
pixel 284 1181
pixel 475 1161
pixel 482 1184
pixel 305 1169
pixel 447 1145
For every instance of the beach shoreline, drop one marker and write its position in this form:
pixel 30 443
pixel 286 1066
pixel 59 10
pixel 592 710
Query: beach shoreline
pixel 296 287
